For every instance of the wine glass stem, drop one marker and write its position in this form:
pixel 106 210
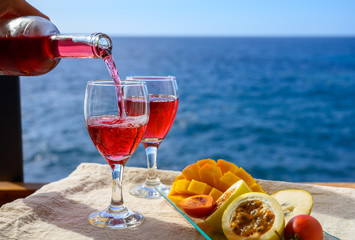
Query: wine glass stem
pixel 151 152
pixel 116 204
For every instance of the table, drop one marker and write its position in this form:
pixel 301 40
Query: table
pixel 60 209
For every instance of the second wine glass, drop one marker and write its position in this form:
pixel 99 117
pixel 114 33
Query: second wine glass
pixel 163 102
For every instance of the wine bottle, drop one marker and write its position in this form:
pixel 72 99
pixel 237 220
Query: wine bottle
pixel 31 46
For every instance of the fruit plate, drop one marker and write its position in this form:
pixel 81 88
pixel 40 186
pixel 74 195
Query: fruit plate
pixel 209 232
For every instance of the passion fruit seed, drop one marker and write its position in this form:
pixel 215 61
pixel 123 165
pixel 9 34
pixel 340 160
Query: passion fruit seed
pixel 237 189
pixel 253 216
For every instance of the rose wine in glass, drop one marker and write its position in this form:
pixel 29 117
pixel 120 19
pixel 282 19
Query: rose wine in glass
pixel 163 103
pixel 108 130
pixel 116 136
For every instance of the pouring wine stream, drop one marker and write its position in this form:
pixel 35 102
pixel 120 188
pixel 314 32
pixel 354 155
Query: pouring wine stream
pixel 111 66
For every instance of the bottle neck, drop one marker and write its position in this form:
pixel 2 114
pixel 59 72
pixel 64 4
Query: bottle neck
pixel 96 45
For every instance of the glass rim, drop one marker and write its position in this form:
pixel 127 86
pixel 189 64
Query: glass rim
pixel 112 83
pixel 150 78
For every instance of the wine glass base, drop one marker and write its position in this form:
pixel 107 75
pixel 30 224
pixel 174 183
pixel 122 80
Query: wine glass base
pixel 149 191
pixel 125 219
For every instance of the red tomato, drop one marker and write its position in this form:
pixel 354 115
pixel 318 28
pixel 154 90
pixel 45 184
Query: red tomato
pixel 197 206
pixel 303 227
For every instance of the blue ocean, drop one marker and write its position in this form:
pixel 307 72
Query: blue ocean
pixel 281 108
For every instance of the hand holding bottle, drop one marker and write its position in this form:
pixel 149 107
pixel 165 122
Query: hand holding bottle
pixel 18 8
pixel 32 45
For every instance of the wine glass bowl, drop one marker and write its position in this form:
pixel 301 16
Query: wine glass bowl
pixel 116 129
pixel 163 103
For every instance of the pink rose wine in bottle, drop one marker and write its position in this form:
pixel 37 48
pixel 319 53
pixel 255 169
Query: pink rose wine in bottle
pixel 32 45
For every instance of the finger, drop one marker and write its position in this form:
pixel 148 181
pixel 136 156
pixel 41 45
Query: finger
pixel 25 9
pixel 18 8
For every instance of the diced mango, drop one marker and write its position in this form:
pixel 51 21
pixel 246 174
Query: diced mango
pixel 226 166
pixel 172 189
pixel 210 174
pixel 257 188
pixel 191 172
pixel 248 179
pixel 197 187
pixel 177 198
pixel 202 162
pixel 181 186
pixel 207 189
pixel 179 177
pixel 227 180
pixel 208 177
pixel 215 194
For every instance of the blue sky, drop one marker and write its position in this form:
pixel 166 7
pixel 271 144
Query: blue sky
pixel 202 17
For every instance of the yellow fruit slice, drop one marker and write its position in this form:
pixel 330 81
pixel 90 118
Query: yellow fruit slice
pixel 221 204
pixel 253 216
pixel 245 176
pixel 208 189
pixel 226 166
pixel 210 174
pixel 215 194
pixel 176 199
pixel 204 161
pixel 294 202
pixel 172 189
pixel 182 186
pixel 191 172
pixel 198 188
pixel 179 177
pixel 257 188
pixel 227 180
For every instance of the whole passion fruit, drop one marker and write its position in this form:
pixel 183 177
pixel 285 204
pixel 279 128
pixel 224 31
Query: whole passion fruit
pixel 253 216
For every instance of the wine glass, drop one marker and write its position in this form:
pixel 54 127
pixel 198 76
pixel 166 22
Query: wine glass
pixel 116 117
pixel 163 104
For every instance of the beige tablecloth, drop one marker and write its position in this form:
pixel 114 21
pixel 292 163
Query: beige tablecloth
pixel 59 210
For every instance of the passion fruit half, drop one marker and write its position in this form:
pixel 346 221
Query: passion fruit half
pixel 237 189
pixel 197 206
pixel 253 216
